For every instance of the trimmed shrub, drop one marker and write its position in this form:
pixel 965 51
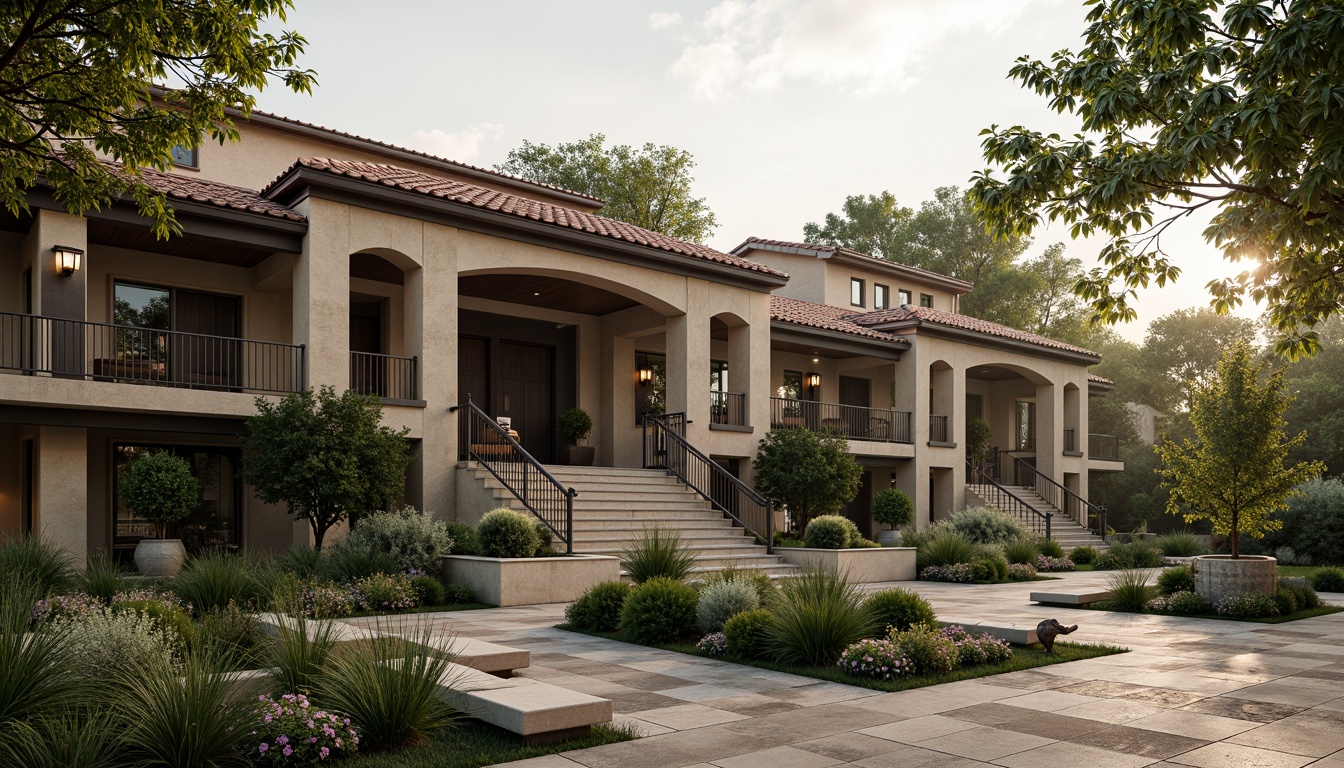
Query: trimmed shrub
pixel 945 547
pixel 1130 590
pixel 898 608
pixel 973 649
pixel 1329 579
pixel 660 610
pixel 385 592
pixel 990 567
pixel 458 594
pixel 463 536
pixel 1248 605
pixel 574 425
pixel 545 537
pixel 874 659
pixel 1181 544
pixel 34 561
pixel 428 590
pixel 747 633
pixel 1306 596
pixel 1024 550
pixel 982 525
pixel 161 488
pixel 1050 547
pixel 893 508
pixel 1083 555
pixel 1022 571
pixel 657 554
pixel 1286 601
pixel 414 540
pixel 830 532
pixel 721 601
pixel 1134 554
pixel 599 608
pixel 819 614
pixel 928 650
pixel 506 532
pixel 214 579
pixel 1173 580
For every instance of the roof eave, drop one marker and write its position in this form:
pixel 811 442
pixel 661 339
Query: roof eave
pixel 986 339
pixel 839 340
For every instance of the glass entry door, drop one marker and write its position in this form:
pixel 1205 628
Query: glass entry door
pixel 215 523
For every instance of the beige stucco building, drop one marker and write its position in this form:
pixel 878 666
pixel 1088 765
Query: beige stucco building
pixel 310 257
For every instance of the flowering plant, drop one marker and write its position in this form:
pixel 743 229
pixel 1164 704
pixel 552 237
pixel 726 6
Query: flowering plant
pixel 957 572
pixel 1021 572
pixel 1247 605
pixel 976 649
pixel 713 644
pixel 293 732
pixel 1047 563
pixel 326 601
pixel 878 659
pixel 73 606
pixel 150 595
pixel 928 649
pixel 385 592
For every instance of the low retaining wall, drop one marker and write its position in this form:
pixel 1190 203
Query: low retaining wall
pixel 530 580
pixel 864 566
pixel 1217 576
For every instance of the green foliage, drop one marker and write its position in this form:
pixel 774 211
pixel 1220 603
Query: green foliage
pixel 990 566
pixel 574 425
pixel 385 592
pixel 809 473
pixel 898 609
pixel 1050 547
pixel 1247 605
pixel 659 610
pixel 429 590
pixel 599 608
pixel 506 532
pixel 545 538
pixel 928 650
pixel 464 539
pixel 1135 554
pixel 458 594
pixel 86 93
pixel 413 539
pixel 236 634
pixel 1084 555
pixel 892 507
pixel 1024 550
pixel 160 487
pixel 72 739
pixel 977 438
pixel 945 547
pixel 1183 603
pixel 1233 472
pixel 1305 596
pixel 325 457
pixel 1214 107
pixel 37 562
pixel 723 600
pixel 1173 580
pixel 300 560
pixel 983 525
pixel 819 613
pixel 1329 579
pixel 301 648
pixel 1286 601
pixel 831 532
pixel 657 554
pixel 1130 589
pixel 214 579
pixel 173 623
pixel 649 187
pixel 1313 523
pixel 389 687
pixel 37 676
pixel 748 633
pixel 102 578
pixel 1181 544
pixel 346 563
pixel 766 591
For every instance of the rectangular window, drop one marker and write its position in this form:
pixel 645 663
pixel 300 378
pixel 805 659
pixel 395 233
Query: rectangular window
pixel 881 297
pixel 1026 425
pixel 793 385
pixel 184 156
pixel 652 397
pixel 718 375
pixel 856 291
pixel 904 298
pixel 925 300
pixel 215 521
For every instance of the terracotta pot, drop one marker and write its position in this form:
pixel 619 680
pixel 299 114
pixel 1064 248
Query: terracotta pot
pixel 159 557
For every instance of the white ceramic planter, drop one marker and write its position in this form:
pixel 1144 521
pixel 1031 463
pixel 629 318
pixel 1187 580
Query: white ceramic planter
pixel 889 538
pixel 1217 576
pixel 530 580
pixel 159 557
pixel 863 566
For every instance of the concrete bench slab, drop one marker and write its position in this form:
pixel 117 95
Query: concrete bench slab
pixel 1069 598
pixel 469 652
pixel 537 711
pixel 1017 634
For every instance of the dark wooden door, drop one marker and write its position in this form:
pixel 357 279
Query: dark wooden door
pixel 527 395
pixel 212 358
pixel 860 510
pixel 857 392
pixel 473 371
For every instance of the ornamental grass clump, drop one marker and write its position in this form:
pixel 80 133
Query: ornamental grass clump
pixel 301 648
pixel 1130 590
pixel 660 610
pixel 413 540
pixel 1134 554
pixel 102 578
pixel 291 731
pixel 507 533
pixel 1024 550
pixel 945 547
pixel 723 600
pixel 1329 579
pixel 898 609
pixel 214 579
pixel 71 739
pixel 1181 544
pixel 38 676
pixel 599 608
pixel 236 634
pixel 875 660
pixel 657 554
pixel 35 561
pixel 1050 547
pixel 819 614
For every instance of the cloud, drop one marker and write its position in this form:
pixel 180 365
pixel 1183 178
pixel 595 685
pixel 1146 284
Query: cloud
pixel 858 46
pixel 663 20
pixel 462 146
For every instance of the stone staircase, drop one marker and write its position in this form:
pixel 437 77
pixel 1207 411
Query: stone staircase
pixel 615 505
pixel 1068 532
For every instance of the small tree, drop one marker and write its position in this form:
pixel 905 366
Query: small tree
pixel 811 474
pixel 893 508
pixel 574 425
pixel 1233 473
pixel 160 487
pixel 324 457
pixel 977 439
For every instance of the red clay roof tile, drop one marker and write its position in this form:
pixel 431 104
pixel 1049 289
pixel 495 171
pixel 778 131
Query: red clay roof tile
pixel 190 188
pixel 916 315
pixel 823 248
pixel 823 316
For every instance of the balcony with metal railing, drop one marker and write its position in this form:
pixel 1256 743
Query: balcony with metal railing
pixel 940 430
pixel 1103 447
pixel 389 377
pixel 880 425
pixel 727 409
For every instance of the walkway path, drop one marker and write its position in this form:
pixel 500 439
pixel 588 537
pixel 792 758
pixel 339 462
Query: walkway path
pixel 1193 692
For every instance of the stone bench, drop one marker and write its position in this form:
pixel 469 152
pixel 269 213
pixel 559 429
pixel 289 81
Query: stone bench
pixel 1069 598
pixel 537 711
pixel 1017 634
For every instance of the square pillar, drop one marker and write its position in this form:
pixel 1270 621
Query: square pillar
pixel 61 490
pixel 1049 429
pixel 688 355
pixel 63 298
pixel 322 296
pixel 432 336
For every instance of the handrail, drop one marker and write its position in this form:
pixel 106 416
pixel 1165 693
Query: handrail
pixel 856 422
pixel 664 448
pixel 392 377
pixel 1024 511
pixel 483 440
pixel 1053 492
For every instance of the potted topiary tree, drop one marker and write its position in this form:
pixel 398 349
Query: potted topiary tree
pixel 160 487
pixel 892 508
pixel 575 425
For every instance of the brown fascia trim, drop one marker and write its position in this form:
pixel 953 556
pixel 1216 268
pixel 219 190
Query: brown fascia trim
pixel 904 270
pixel 301 183
pixel 1100 386
pixel 987 340
pixel 782 330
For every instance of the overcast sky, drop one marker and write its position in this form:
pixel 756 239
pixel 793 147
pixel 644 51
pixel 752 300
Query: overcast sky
pixel 787 105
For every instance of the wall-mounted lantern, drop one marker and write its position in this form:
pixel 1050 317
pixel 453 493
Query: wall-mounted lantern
pixel 813 380
pixel 67 259
pixel 645 376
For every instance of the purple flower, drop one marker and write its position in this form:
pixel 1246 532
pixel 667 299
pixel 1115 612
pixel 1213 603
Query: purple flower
pixel 288 751
pixel 264 746
pixel 322 753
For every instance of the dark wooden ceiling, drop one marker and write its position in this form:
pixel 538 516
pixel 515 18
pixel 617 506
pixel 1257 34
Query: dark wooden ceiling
pixel 374 267
pixel 991 373
pixel 104 233
pixel 541 291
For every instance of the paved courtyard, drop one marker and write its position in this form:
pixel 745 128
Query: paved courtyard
pixel 1193 692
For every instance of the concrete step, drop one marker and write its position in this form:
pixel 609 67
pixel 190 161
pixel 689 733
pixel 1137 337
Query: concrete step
pixel 637 525
pixel 745 547
pixel 633 513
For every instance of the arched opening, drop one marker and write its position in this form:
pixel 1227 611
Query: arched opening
pixel 1014 401
pixel 385 325
pixel 942 391
pixel 729 370
pixel 1073 414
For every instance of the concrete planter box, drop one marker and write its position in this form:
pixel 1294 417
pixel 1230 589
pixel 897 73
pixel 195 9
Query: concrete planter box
pixel 530 580
pixel 864 566
pixel 1217 576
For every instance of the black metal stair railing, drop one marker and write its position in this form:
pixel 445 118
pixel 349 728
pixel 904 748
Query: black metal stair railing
pixel 666 447
pixel 1070 503
pixel 483 440
pixel 1007 501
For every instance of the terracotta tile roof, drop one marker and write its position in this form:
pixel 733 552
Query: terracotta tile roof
pixel 197 190
pixel 1094 378
pixel 823 248
pixel 916 315
pixel 824 317
pixel 522 207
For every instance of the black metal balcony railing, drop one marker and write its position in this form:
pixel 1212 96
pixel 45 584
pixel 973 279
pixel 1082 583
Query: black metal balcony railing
pixel 1070 440
pixel 1105 447
pixel 387 376
pixel 728 408
pixel 33 344
pixel 939 432
pixel 881 425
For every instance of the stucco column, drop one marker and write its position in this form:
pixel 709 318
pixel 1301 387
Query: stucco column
pixel 61 495
pixel 432 334
pixel 54 294
pixel 322 295
pixel 1049 430
pixel 688 368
